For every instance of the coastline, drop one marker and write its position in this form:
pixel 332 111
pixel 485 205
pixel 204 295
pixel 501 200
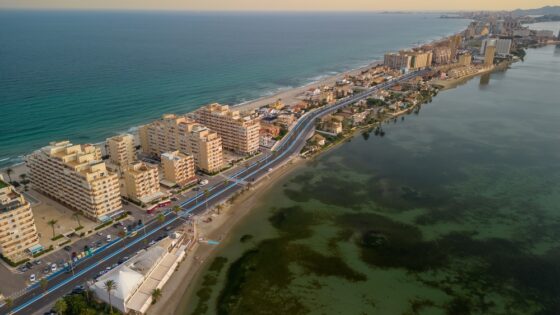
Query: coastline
pixel 189 272
pixel 190 269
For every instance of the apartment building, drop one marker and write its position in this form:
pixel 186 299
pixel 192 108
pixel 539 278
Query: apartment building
pixel 465 59
pixel 408 60
pixel 76 176
pixel 489 55
pixel 17 225
pixel 239 134
pixel 121 150
pixel 178 167
pixel 206 148
pixel 141 182
pixel 442 55
pixel 179 133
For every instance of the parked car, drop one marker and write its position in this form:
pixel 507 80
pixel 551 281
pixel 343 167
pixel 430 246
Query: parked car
pixel 67 248
pixel 203 182
pixel 152 242
pixel 46 270
pixel 32 278
pixel 53 267
pixel 108 238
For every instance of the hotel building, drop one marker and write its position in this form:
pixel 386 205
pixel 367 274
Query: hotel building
pixel 465 59
pixel 172 133
pixel 141 182
pixel 239 134
pixel 178 167
pixel 408 60
pixel 121 150
pixel 76 176
pixel 17 226
pixel 489 55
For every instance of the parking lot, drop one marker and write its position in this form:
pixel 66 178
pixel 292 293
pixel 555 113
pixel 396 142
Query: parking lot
pixel 43 266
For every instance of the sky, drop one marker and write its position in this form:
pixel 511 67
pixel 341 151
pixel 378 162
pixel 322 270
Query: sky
pixel 277 5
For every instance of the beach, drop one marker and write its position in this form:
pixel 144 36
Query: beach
pixel 184 279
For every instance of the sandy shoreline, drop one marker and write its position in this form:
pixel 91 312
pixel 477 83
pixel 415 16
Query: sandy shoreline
pixel 183 282
pixel 290 96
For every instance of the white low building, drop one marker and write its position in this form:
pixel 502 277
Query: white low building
pixel 137 278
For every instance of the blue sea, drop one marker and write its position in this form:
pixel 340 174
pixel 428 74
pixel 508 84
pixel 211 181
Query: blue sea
pixel 85 76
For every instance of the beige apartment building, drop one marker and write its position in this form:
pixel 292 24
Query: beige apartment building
pixel 408 60
pixel 239 134
pixel 489 55
pixel 179 133
pixel 76 176
pixel 141 182
pixel 465 59
pixel 17 226
pixel 178 168
pixel 121 150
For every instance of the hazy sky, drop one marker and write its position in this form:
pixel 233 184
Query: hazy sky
pixel 266 5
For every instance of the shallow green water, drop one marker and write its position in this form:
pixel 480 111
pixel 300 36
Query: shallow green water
pixel 454 211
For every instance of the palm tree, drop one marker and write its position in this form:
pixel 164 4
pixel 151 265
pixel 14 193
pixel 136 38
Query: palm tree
pixel 60 306
pixel 9 303
pixel 52 224
pixel 9 172
pixel 23 178
pixel 110 286
pixel 43 283
pixel 76 216
pixel 156 294
pixel 176 209
pixel 206 194
pixel 161 217
pixel 219 208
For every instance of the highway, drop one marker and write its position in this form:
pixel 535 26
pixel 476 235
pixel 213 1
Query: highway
pixel 37 298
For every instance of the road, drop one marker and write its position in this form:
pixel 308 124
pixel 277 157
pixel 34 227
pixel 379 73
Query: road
pixel 36 298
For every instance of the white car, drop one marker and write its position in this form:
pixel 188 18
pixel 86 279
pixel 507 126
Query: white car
pixel 53 267
pixel 32 278
pixel 108 238
pixel 203 182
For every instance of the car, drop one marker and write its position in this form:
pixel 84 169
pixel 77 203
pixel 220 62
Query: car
pixel 270 169
pixel 29 265
pixel 53 267
pixel 152 242
pixel 38 262
pixel 46 270
pixel 67 248
pixel 108 238
pixel 32 277
pixel 99 234
pixel 23 269
pixel 99 243
pixel 168 228
pixel 107 268
pixel 203 182
pixel 114 265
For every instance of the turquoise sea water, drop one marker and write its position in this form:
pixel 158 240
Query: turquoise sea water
pixel 455 210
pixel 84 76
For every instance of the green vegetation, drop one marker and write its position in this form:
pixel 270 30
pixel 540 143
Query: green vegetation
pixel 13 263
pixel 3 184
pixel 99 227
pixel 82 304
pixel 210 280
pixel 57 237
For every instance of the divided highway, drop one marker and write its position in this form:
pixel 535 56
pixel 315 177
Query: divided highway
pixel 36 298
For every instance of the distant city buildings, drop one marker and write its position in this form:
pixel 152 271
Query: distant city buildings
pixel 502 46
pixel 178 168
pixel 239 134
pixel 18 233
pixel 76 176
pixel 121 150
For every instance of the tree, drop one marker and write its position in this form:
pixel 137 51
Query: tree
pixel 43 283
pixel 23 178
pixel 161 217
pixel 156 294
pixel 60 306
pixel 176 209
pixel 9 303
pixel 76 216
pixel 52 224
pixel 9 172
pixel 110 286
pixel 206 194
